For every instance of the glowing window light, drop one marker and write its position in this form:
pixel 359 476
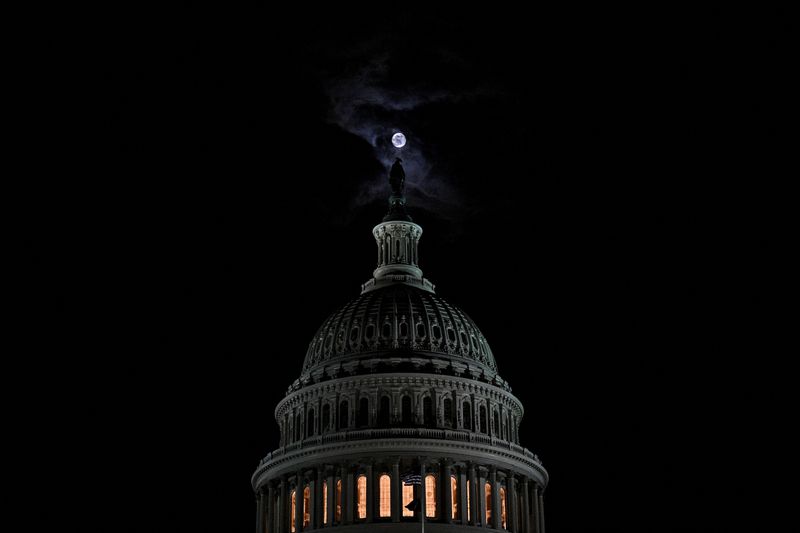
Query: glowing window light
pixel 385 496
pixel 361 496
pixel 430 496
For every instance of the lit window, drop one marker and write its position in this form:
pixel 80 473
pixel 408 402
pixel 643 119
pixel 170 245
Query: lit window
pixel 306 507
pixel 338 500
pixel 324 503
pixel 469 500
pixel 488 489
pixel 385 496
pixel 430 496
pixel 294 504
pixel 408 497
pixel 362 496
pixel 454 497
pixel 503 507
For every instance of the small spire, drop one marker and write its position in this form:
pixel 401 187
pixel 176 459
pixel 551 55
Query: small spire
pixel 397 201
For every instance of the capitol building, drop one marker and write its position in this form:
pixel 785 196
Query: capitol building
pixel 400 420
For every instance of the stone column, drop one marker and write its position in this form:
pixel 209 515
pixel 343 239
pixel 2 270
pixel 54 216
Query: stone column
pixel 370 495
pixel 283 506
pixel 525 512
pixel 535 509
pixel 271 510
pixel 259 511
pixel 331 498
pixel 511 502
pixel 422 498
pixel 319 501
pixel 348 496
pixel 463 487
pixel 397 492
pixel 473 495
pixel 298 503
pixel 541 510
pixel 481 499
pixel 496 521
pixel 312 503
pixel 447 493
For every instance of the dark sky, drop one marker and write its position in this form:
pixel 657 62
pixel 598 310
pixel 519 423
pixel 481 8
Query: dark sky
pixel 571 173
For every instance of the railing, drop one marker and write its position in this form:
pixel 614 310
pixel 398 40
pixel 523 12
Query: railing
pixel 385 433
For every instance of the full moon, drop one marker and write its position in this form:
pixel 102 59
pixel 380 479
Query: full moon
pixel 399 140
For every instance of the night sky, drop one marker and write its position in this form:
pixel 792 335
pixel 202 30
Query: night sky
pixel 567 171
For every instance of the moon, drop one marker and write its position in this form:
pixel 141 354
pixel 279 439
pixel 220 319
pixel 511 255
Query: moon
pixel 399 140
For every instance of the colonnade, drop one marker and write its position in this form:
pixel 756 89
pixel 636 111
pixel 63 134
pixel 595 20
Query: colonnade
pixel 465 493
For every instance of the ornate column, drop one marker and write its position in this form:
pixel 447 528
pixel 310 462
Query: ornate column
pixel 511 502
pixel 271 510
pixel 473 495
pixel 541 510
pixel 319 501
pixel 331 498
pixel 525 510
pixel 422 497
pixel 283 506
pixel 535 509
pixel 312 503
pixel 298 502
pixel 447 493
pixel 481 499
pixel 397 491
pixel 259 511
pixel 348 496
pixel 496 521
pixel 370 495
pixel 463 487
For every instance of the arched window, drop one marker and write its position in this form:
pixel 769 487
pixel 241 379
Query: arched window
pixel 311 423
pixel 324 502
pixel 306 507
pixel 467 415
pixel 397 249
pixel 370 331
pixel 384 413
pixel 448 412
pixel 338 514
pixel 361 496
pixel 403 330
pixel 427 411
pixel 344 417
pixel 407 415
pixel 298 428
pixel 408 497
pixel 387 330
pixel 483 419
pixel 488 489
pixel 363 412
pixel 294 513
pixel 454 497
pixel 326 418
pixel 385 496
pixel 430 496
pixel 496 422
pixel 503 508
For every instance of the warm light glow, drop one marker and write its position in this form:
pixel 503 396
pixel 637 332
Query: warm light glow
pixel 430 496
pixel 338 500
pixel 294 504
pixel 324 503
pixel 454 497
pixel 362 496
pixel 488 489
pixel 306 507
pixel 385 496
pixel 469 500
pixel 503 507
pixel 408 497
